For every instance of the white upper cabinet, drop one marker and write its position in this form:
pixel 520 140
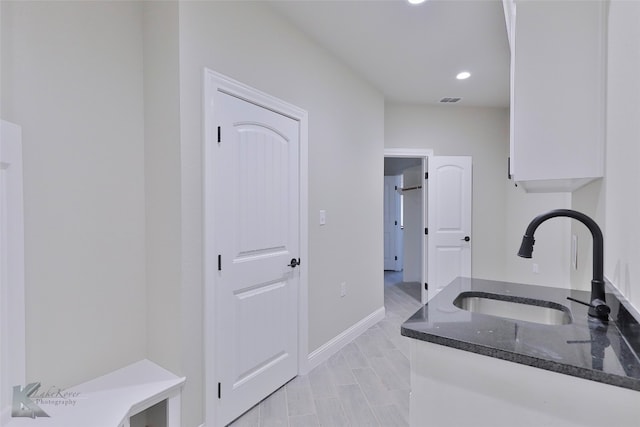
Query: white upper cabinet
pixel 557 92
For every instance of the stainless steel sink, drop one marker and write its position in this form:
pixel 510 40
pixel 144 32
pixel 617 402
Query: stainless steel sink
pixel 517 308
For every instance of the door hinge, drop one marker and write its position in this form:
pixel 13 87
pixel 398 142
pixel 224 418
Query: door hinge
pixel 508 167
pixel 219 391
pixel 426 287
pixel 396 258
pixel 219 262
pixel 219 138
pixel 396 188
pixel 426 231
pixel 395 222
pixel 426 175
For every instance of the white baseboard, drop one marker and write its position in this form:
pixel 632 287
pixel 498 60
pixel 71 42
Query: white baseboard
pixel 331 347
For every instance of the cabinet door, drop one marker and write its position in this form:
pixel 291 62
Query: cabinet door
pixel 558 94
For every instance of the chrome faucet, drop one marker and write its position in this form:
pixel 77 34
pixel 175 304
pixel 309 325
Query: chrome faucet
pixel 598 306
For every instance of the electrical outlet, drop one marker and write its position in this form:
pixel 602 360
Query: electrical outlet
pixel 343 289
pixel 535 268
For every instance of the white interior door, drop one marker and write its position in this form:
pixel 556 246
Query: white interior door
pixel 392 232
pixel 449 238
pixel 256 232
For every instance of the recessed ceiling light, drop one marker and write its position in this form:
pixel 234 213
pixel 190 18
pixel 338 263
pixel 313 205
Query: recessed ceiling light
pixel 463 75
pixel 416 1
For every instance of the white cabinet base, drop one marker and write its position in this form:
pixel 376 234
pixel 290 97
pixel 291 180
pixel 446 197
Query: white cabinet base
pixel 452 387
pixel 122 398
pixel 555 185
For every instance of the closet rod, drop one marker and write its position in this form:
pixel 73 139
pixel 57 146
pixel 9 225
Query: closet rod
pixel 411 188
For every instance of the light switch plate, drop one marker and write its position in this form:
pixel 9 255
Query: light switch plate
pixel 323 217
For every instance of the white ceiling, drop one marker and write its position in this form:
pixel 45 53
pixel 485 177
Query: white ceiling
pixel 412 53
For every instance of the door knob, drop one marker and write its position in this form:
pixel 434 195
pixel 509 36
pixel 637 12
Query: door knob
pixel 466 238
pixel 294 262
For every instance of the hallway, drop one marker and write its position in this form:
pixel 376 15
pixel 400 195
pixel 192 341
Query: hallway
pixel 364 384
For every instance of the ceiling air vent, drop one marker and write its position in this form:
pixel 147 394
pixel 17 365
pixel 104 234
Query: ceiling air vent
pixel 450 100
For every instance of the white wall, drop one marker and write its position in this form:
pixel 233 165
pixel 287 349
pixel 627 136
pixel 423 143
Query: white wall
pixel 109 97
pixel 162 182
pixel 413 232
pixel 479 132
pixel 112 146
pixel 589 200
pixel 613 201
pixel 72 78
pixel 501 211
pixel 552 248
pixel 248 42
pixel 2 48
pixel 621 201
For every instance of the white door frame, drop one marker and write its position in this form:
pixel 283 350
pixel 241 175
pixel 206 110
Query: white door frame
pixel 424 154
pixel 397 232
pixel 214 82
pixel 12 290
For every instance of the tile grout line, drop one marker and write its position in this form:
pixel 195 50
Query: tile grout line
pixel 286 403
pixel 400 304
pixel 367 399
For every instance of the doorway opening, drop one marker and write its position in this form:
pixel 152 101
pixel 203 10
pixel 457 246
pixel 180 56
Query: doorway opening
pixel 405 219
pixel 443 217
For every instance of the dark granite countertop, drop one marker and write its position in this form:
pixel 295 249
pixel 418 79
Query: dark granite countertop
pixel 606 352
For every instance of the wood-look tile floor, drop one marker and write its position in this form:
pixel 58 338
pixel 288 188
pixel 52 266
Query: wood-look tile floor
pixel 364 384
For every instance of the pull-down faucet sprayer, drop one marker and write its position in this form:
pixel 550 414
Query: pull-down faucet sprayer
pixel 598 307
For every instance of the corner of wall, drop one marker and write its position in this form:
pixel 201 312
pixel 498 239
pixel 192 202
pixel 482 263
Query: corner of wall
pixel 162 182
pixel 590 201
pixel 622 175
pixel 331 347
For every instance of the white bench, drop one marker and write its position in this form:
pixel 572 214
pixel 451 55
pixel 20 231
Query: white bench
pixel 123 398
